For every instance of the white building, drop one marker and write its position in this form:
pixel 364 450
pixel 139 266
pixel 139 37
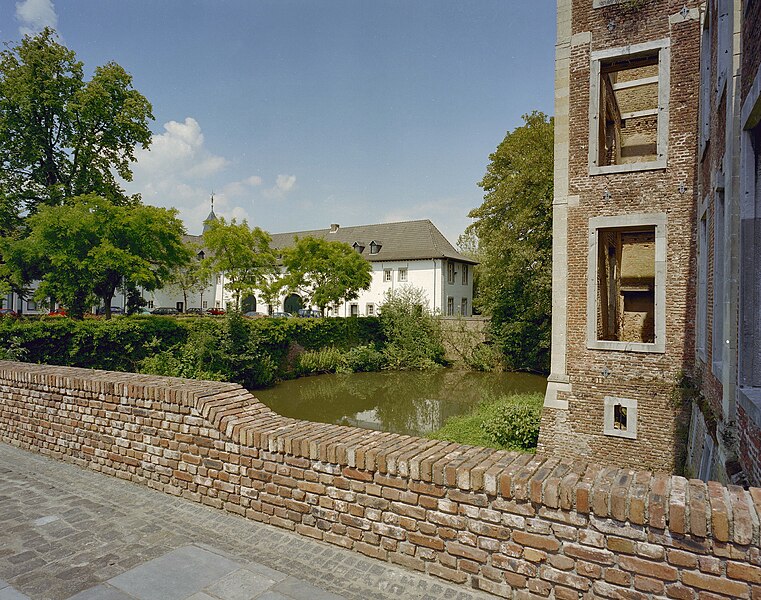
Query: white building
pixel 408 253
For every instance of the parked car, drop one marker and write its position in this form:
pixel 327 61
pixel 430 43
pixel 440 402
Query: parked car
pixel 215 311
pixel 8 312
pixel 115 310
pixel 165 310
pixel 194 311
pixel 254 315
pixel 308 313
pixel 58 312
pixel 282 315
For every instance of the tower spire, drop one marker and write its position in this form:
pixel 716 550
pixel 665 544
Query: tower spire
pixel 212 217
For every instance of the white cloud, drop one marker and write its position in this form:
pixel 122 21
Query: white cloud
pixel 283 185
pixel 179 171
pixel 34 15
pixel 180 150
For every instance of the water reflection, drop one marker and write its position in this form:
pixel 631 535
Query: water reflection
pixel 412 403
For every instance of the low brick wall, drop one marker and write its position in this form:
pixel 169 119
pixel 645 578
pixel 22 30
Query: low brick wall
pixel 515 525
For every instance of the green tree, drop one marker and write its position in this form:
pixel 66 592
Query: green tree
pixel 242 254
pixel 191 277
pixel 327 272
pixel 514 229
pixel 62 136
pixel 88 247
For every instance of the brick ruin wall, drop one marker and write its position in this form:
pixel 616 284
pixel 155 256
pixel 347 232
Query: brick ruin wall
pixel 648 378
pixel 515 525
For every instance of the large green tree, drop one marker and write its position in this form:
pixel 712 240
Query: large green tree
pixel 326 272
pixel 62 136
pixel 85 249
pixel 192 277
pixel 242 254
pixel 514 229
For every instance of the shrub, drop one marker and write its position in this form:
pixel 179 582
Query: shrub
pixel 326 360
pixel 413 334
pixel 515 424
pixel 362 359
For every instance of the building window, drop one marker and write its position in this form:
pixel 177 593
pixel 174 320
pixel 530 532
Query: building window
pixel 354 310
pixel 370 310
pixel 702 308
pixel 626 283
pixel 360 248
pixel 402 274
pixel 375 247
pixel 464 307
pixel 451 272
pixel 205 304
pixel 386 274
pixel 31 305
pixel 450 306
pixel 464 274
pixel 620 417
pixel 719 283
pixel 150 304
pixel 628 119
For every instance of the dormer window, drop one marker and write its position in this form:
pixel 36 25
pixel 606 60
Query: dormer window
pixel 375 247
pixel 359 247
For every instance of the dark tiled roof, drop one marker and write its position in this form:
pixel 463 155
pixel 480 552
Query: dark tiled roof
pixel 405 240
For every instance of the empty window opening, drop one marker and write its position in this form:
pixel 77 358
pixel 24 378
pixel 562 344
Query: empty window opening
pixel 628 119
pixel 626 285
pixel 620 415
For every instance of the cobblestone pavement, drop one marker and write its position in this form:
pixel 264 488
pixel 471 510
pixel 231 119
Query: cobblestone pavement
pixel 66 531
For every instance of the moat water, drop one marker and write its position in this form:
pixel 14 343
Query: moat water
pixel 408 402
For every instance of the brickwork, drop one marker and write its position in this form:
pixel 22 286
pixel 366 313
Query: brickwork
pixel 514 525
pixel 749 434
pixel 751 45
pixel 646 377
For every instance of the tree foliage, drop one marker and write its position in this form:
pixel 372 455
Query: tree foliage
pixel 88 247
pixel 191 277
pixel 326 272
pixel 62 136
pixel 514 229
pixel 242 254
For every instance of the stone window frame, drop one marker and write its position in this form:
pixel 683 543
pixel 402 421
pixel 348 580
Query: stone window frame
pixel 657 220
pixel 706 76
pixel 387 275
pixel 663 47
pixel 401 274
pixel 610 402
pixel 370 309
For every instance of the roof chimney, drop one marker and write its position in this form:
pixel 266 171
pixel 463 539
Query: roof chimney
pixel 334 227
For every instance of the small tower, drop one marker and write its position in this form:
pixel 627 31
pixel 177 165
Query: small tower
pixel 211 217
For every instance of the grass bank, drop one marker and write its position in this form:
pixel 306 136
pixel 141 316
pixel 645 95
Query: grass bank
pixel 509 422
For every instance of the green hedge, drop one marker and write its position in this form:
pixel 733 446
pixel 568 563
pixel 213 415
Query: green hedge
pixel 123 343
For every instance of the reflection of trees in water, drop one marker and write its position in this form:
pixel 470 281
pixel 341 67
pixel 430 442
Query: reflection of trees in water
pixel 403 402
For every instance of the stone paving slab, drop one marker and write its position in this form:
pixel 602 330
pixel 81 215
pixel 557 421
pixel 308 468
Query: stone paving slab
pixel 69 531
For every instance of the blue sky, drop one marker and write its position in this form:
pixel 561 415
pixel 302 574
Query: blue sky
pixel 298 114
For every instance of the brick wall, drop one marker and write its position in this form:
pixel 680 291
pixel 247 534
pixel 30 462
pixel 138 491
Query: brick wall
pixel 645 377
pixel 515 525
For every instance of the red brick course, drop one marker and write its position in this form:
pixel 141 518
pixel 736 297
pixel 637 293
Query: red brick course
pixel 619 533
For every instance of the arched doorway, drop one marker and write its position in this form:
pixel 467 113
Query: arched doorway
pixel 248 304
pixel 292 303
